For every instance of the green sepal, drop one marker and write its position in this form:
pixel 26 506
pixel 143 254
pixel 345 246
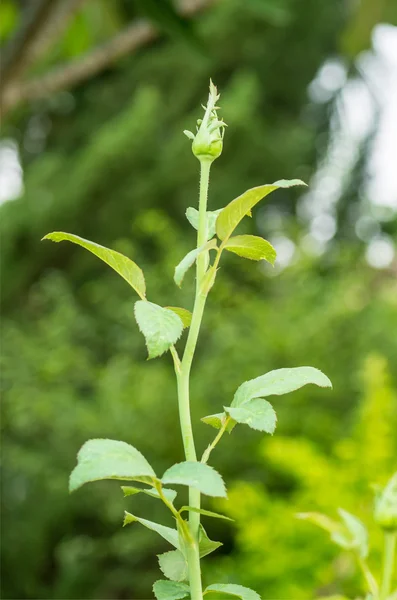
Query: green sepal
pixel 169 534
pixel 160 326
pixel 123 265
pixel 170 590
pixel 173 564
pixel 100 459
pixel 132 491
pixel 196 475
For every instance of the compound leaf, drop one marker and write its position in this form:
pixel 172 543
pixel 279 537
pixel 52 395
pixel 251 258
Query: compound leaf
pixel 197 475
pixel 124 266
pixel 108 459
pixel 160 326
pixel 170 590
pixel 169 534
pixel 132 491
pixel 235 211
pixel 188 260
pixel 280 381
pixel 231 590
pixel 184 315
pixel 174 566
pixel 252 247
pixel 257 413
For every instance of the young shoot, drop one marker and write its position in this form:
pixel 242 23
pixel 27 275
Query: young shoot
pixel 162 327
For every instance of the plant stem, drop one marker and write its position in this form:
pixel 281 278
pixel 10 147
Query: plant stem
pixel 183 380
pixel 369 578
pixel 388 564
pixel 210 448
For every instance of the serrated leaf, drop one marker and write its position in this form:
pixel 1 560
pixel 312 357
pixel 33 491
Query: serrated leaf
pixel 184 315
pixel 169 534
pixel 235 211
pixel 192 215
pixel 108 459
pixel 252 247
pixel 132 491
pixel 160 326
pixel 280 381
pixel 123 265
pixel 206 546
pixel 197 475
pixel 231 590
pixel 174 566
pixel 218 420
pixel 202 511
pixel 257 414
pixel 189 259
pixel 170 590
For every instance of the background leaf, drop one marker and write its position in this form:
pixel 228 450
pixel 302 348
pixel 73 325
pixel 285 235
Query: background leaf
pixel 197 475
pixel 108 459
pixel 357 530
pixel 252 247
pixel 235 211
pixel 279 381
pixel 257 413
pixel 124 266
pixel 169 534
pixel 160 326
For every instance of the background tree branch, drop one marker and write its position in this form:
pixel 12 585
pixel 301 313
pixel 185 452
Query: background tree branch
pixel 135 35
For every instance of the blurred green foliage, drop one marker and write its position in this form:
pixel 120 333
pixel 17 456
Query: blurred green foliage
pixel 270 543
pixel 109 162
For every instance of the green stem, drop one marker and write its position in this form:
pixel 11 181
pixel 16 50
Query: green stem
pixel 369 578
pixel 183 379
pixel 210 448
pixel 388 564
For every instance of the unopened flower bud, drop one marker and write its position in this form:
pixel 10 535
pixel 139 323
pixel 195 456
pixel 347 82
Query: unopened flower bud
pixel 208 140
pixel 386 506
